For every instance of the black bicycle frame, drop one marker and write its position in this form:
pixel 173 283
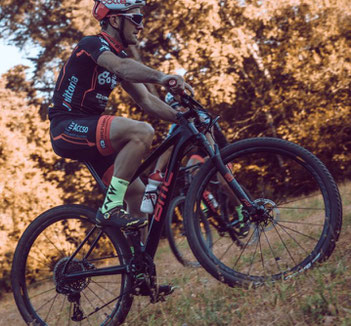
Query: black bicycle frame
pixel 181 138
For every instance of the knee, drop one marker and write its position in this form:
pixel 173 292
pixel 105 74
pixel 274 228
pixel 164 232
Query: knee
pixel 145 133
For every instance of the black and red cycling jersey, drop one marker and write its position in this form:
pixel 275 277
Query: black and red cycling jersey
pixel 83 87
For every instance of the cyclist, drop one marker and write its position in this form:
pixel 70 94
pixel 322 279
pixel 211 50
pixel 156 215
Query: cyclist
pixel 80 130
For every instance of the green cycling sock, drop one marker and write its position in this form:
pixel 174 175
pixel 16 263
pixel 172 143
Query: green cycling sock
pixel 115 194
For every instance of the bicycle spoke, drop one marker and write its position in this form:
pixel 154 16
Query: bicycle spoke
pixel 70 312
pixel 295 200
pixel 271 249
pixel 302 223
pixel 102 287
pixel 284 244
pixel 226 250
pixel 46 303
pixel 261 249
pixel 93 292
pixel 305 235
pixel 252 260
pixel 91 304
pixel 54 245
pixel 44 279
pixel 44 292
pixel 52 304
pixel 61 310
pixel 294 239
pixel 302 208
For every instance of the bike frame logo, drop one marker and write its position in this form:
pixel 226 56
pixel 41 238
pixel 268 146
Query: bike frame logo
pixel 162 197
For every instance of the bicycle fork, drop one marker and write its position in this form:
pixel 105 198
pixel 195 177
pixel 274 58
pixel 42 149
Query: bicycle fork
pixel 253 210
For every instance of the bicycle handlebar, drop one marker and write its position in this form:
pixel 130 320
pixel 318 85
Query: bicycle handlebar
pixel 194 112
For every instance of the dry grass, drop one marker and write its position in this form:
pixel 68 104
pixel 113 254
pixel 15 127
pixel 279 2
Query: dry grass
pixel 321 296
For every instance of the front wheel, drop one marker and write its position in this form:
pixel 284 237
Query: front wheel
pixel 300 214
pixel 41 257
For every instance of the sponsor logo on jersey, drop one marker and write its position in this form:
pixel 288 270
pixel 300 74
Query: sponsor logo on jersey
pixel 104 47
pixel 101 97
pixel 78 128
pixel 107 78
pixel 69 91
pixel 102 40
pixel 115 2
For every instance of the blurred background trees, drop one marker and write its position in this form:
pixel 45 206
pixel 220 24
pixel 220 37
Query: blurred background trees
pixel 268 68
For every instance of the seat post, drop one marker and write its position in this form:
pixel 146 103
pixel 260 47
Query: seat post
pixel 101 185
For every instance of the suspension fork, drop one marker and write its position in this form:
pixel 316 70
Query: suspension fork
pixel 247 203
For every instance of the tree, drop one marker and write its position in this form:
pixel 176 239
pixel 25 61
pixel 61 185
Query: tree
pixel 263 66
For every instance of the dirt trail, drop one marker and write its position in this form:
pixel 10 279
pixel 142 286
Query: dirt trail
pixel 9 314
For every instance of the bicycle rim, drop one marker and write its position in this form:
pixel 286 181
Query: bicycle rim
pixel 40 258
pixel 297 190
pixel 176 233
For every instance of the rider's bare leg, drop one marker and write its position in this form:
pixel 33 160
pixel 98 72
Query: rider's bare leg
pixel 130 139
pixel 163 160
pixel 133 197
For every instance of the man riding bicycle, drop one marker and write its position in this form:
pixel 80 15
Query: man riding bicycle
pixel 79 130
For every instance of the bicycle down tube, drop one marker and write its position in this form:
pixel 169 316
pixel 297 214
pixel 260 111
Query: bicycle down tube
pixel 180 138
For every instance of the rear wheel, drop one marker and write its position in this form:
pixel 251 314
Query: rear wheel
pixel 176 236
pixel 298 223
pixel 43 251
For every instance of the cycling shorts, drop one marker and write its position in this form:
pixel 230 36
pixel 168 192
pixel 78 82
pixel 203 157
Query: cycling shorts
pixel 84 138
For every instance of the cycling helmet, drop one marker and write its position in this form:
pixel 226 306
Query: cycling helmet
pixel 103 7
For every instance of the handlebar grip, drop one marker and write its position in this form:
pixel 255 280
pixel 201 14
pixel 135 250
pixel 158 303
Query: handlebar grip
pixel 172 82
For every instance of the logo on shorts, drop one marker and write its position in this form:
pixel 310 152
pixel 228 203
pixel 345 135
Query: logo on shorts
pixel 78 128
pixel 102 144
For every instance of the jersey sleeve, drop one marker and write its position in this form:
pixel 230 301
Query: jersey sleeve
pixel 94 46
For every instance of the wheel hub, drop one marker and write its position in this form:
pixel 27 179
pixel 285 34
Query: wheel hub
pixel 267 213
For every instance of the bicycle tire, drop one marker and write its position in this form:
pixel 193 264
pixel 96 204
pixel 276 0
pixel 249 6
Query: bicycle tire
pixel 303 182
pixel 40 254
pixel 176 234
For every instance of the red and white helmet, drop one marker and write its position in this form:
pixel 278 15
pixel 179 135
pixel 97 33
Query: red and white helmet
pixel 103 7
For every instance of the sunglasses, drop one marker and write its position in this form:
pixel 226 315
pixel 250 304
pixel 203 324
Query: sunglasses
pixel 136 19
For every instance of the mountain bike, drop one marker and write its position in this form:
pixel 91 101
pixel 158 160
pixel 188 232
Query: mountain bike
pixel 67 269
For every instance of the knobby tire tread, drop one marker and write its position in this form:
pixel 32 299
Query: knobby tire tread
pixel 27 239
pixel 206 258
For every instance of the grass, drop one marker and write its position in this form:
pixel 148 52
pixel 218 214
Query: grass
pixel 321 296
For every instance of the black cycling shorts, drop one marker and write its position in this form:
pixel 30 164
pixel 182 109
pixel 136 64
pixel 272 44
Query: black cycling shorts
pixel 85 138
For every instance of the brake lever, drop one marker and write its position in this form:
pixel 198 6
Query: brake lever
pixel 211 124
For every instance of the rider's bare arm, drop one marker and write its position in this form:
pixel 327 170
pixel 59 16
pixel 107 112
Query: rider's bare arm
pixel 129 69
pixel 136 72
pixel 149 102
